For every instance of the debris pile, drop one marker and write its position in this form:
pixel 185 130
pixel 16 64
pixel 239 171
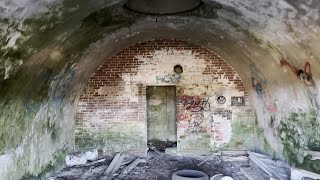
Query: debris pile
pixel 155 166
pixel 225 165
pixel 161 146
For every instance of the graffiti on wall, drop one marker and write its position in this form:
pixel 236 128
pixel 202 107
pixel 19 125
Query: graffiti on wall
pixel 237 101
pixel 224 113
pixel 258 81
pixel 183 116
pixel 60 85
pixel 197 115
pixel 168 78
pixel 193 112
pixel 221 100
pixel 305 77
pixel 195 103
pixel 260 85
pixel 196 123
pixel 270 108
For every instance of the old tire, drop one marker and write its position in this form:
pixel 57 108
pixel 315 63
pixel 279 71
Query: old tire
pixel 189 175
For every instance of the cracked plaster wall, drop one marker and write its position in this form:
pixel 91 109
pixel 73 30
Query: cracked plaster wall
pixel 47 55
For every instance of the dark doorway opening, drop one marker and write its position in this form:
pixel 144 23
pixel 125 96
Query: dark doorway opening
pixel 161 112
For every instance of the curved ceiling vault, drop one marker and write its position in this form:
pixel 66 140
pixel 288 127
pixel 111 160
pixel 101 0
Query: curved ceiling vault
pixel 51 48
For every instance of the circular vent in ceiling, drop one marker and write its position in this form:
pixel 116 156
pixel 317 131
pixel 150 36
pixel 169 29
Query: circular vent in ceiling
pixel 162 6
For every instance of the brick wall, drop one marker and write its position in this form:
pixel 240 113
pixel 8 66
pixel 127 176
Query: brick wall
pixel 213 108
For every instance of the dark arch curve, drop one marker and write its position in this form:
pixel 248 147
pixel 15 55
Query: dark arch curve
pixel 188 41
pixel 97 55
pixel 213 38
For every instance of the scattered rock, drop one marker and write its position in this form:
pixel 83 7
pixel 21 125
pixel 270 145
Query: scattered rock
pixel 156 145
pixel 81 159
pixel 73 160
pixel 92 155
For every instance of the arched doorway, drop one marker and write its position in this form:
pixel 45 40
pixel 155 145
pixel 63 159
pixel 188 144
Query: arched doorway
pixel 123 103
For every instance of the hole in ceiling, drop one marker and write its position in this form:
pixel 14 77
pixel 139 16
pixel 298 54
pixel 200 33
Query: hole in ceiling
pixel 162 6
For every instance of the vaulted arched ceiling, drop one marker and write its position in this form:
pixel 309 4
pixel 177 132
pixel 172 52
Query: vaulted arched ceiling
pixel 50 48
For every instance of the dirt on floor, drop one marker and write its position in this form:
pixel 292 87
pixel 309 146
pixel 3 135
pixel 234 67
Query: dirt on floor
pixel 157 166
pixel 161 146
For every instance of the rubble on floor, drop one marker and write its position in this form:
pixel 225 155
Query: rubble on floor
pixel 81 158
pixel 161 146
pixel 237 165
pixel 155 166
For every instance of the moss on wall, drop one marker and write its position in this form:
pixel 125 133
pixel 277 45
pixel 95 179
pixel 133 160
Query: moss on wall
pixel 20 103
pixel 198 143
pixel 28 88
pixel 117 138
pixel 57 161
pixel 33 84
pixel 242 135
pixel 299 132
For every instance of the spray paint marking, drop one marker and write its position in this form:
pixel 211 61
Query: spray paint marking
pixel 305 77
pixel 195 103
pixel 259 83
pixel 168 78
pixel 196 123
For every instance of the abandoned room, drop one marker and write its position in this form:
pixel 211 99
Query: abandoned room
pixel 159 89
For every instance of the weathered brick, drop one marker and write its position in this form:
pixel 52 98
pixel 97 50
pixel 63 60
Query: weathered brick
pixel 101 110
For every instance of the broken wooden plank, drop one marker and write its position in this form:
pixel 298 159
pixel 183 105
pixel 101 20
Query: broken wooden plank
pixel 95 162
pixel 239 176
pixel 130 167
pixel 128 160
pixel 205 159
pixel 235 158
pixel 261 156
pixel 235 153
pixel 113 167
pixel 297 174
pixel 250 173
pixel 116 167
pixel 260 164
pixel 269 166
pixel 112 164
pixel 315 155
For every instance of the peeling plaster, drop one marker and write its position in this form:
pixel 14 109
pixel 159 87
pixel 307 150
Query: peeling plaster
pixel 23 9
pixel 12 38
pixel 10 66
